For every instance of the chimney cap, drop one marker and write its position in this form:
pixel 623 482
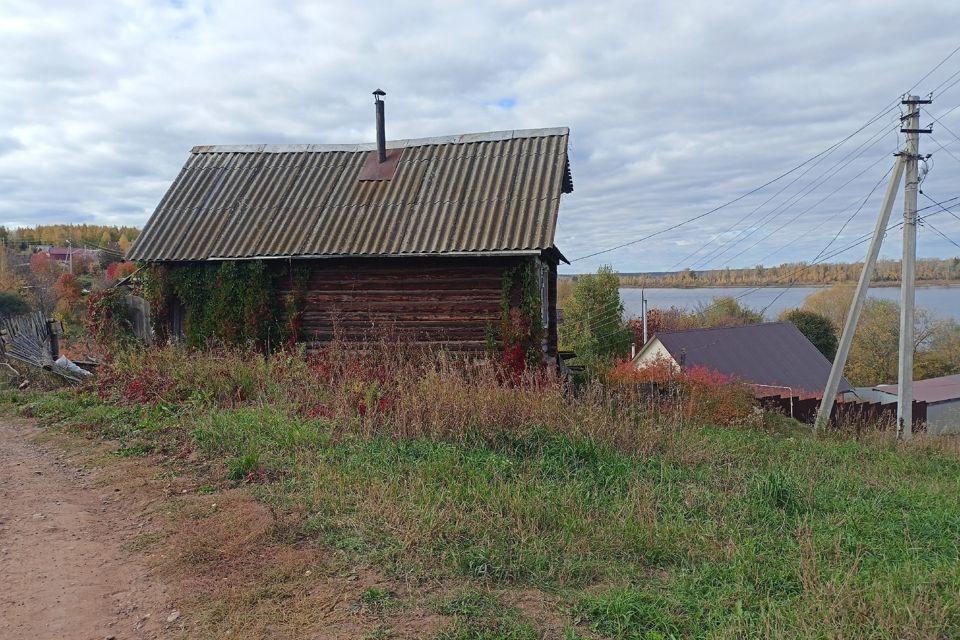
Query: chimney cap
pixel 378 93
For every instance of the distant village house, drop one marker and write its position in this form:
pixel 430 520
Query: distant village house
pixel 773 357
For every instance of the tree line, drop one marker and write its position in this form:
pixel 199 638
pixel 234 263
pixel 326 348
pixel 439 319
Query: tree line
pixel 929 270
pixel 78 235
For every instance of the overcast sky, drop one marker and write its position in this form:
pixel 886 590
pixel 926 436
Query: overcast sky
pixel 674 108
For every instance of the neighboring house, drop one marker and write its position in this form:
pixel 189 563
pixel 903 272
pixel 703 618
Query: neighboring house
pixel 414 234
pixel 942 396
pixel 63 254
pixel 773 356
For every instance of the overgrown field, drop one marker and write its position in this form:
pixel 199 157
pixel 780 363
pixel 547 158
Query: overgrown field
pixel 641 520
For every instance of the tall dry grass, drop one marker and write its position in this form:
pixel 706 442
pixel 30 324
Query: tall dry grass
pixel 400 390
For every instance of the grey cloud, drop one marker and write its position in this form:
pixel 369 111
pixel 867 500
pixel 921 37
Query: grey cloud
pixel 672 110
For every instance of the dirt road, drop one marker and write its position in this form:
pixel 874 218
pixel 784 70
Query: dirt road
pixel 66 569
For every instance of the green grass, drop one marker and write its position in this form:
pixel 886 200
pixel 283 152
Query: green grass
pixel 479 615
pixel 736 533
pixel 377 598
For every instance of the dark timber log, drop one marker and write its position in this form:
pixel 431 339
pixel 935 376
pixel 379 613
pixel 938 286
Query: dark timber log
pixel 446 301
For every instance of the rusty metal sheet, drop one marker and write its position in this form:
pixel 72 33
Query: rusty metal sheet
pixel 375 170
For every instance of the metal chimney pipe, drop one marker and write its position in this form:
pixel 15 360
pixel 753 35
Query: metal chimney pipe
pixel 381 126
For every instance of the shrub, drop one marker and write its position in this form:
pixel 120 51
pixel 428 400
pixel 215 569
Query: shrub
pixel 108 319
pixel 12 305
pixel 703 395
pixel 119 270
pixel 817 328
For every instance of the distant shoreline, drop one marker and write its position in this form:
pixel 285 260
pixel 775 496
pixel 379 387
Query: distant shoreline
pixel 873 285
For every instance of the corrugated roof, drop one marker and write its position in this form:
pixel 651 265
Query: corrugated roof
pixel 772 353
pixel 930 390
pixel 489 192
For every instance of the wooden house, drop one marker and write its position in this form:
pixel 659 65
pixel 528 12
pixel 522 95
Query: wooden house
pixel 417 235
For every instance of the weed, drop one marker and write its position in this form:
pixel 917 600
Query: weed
pixel 245 467
pixel 377 598
pixel 776 490
pixel 136 450
pixel 480 616
pixel 630 613
pixel 469 603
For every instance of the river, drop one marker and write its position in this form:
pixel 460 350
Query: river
pixel 943 301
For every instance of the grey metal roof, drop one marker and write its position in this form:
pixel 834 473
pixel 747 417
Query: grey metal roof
pixel 488 192
pixel 931 390
pixel 772 353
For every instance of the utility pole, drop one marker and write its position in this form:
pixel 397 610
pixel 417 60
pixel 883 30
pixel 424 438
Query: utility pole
pixel 846 338
pixel 643 310
pixel 911 156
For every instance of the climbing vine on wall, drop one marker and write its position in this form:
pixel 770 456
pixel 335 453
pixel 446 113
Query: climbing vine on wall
pixel 155 281
pixel 518 338
pixel 295 301
pixel 233 302
pixel 108 321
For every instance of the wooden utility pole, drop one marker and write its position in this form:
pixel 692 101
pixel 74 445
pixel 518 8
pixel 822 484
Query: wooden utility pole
pixel 910 127
pixel 846 338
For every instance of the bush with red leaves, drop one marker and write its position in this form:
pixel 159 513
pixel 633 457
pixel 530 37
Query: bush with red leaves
pixel 705 396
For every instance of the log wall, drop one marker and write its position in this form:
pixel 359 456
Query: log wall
pixel 446 301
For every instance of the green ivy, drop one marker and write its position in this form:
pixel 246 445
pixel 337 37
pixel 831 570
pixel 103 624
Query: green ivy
pixel 108 319
pixel 234 302
pixel 295 301
pixel 155 280
pixel 523 279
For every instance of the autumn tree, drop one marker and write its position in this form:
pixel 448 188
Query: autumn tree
pixel 874 351
pixel 67 289
pixel 44 272
pixel 876 344
pixel 833 304
pixel 593 324
pixel 726 311
pixel 941 357
pixel 120 270
pixel 10 279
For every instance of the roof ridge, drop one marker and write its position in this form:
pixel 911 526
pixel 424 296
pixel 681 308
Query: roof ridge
pixel 739 326
pixel 462 138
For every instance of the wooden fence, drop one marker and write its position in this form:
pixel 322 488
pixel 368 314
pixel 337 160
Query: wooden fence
pixel 859 415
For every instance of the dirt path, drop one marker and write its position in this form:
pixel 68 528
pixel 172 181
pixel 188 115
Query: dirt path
pixel 65 531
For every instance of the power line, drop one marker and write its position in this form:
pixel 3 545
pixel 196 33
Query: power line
pixel 792 200
pixel 805 211
pixel 684 261
pixel 738 198
pixel 941 233
pixel 938 121
pixel 949 78
pixel 879 115
pixel 930 73
pixel 939 205
pixel 952 85
pixel 751 290
pixel 943 148
pixel 797 271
